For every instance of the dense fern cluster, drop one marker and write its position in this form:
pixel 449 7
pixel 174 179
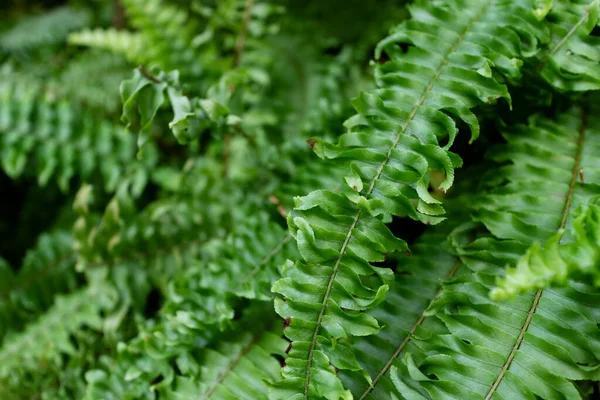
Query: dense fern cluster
pixel 229 200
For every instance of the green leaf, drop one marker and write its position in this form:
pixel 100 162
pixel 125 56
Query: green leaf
pixel 142 97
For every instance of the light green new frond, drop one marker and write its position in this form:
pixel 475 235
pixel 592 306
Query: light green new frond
pixel 47 269
pixel 572 60
pixel 402 131
pixel 555 263
pixel 131 45
pixel 38 350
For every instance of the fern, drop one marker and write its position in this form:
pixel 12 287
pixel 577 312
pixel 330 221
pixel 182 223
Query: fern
pixel 571 61
pixel 494 341
pixel 53 138
pixel 243 241
pixel 49 29
pixel 417 284
pixel 39 349
pixel 494 351
pixel 237 369
pixel 48 269
pixel 338 235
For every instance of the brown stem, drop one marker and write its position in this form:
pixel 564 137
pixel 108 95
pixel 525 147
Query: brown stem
pixel 147 74
pixel 226 154
pixel 118 19
pixel 237 56
pixel 241 39
pixel 280 208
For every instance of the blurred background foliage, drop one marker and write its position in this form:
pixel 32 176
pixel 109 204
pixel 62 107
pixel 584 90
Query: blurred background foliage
pixel 114 236
pixel 34 49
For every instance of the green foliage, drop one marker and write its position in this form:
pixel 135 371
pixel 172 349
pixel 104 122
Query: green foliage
pixel 210 227
pixel 47 269
pixel 390 160
pixel 51 137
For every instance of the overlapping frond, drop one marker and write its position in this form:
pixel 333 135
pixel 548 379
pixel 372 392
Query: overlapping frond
pixel 418 280
pixel 538 343
pixel 53 137
pixel 238 368
pixel 202 286
pixel 38 351
pixel 530 347
pixel 238 364
pixel 48 269
pixel 571 61
pixel 541 177
pixel 535 177
pixel 163 288
pixel 402 132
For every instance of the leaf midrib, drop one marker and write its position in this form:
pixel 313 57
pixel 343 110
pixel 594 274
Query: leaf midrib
pixel 369 191
pixel 564 39
pixel 538 294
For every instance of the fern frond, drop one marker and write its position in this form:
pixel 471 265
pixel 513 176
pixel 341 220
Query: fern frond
pixel 418 281
pixel 55 138
pixel 532 346
pixel 164 37
pixel 392 144
pixel 200 295
pixel 237 369
pixel 48 29
pixel 101 74
pixel 131 45
pixel 539 182
pixel 238 363
pixel 572 61
pixel 247 262
pixel 38 350
pixel 47 269
pixel 540 342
